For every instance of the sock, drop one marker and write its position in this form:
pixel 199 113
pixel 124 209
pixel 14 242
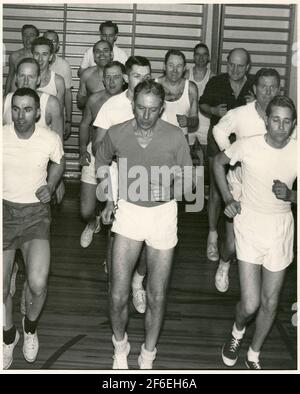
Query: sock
pixel 252 355
pixel 137 281
pixel 225 264
pixel 236 333
pixel 29 325
pixel 213 236
pixel 9 335
pixel 120 345
pixel 147 353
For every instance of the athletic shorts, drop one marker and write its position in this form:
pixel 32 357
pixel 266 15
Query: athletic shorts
pixel 24 222
pixel 264 239
pixel 157 226
pixel 88 173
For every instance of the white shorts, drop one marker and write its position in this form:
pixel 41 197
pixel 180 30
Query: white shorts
pixel 88 173
pixel 264 239
pixel 157 226
pixel 234 179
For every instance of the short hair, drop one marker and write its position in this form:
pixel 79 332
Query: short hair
pixel 109 24
pixel 29 60
pixel 43 41
pixel 24 27
pixel 282 101
pixel 266 72
pixel 150 86
pixel 136 61
pixel 98 42
pixel 52 32
pixel 113 64
pixel 175 52
pixel 201 45
pixel 21 92
pixel 240 49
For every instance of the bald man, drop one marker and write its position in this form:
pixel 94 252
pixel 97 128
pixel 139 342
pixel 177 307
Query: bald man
pixel 222 93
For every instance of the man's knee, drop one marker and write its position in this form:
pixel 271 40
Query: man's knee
pixel 37 285
pixel 118 300
pixel 87 211
pixel 155 299
pixel 269 304
pixel 250 306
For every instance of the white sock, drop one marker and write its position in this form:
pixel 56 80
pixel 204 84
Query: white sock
pixel 237 333
pixel 120 345
pixel 213 235
pixel 137 280
pixel 252 355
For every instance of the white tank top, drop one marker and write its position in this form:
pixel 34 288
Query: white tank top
pixel 200 84
pixel 51 87
pixel 180 107
pixel 43 105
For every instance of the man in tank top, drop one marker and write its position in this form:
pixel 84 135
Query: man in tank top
pixel 181 102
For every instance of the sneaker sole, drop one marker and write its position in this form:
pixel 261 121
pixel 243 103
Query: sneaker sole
pixel 228 361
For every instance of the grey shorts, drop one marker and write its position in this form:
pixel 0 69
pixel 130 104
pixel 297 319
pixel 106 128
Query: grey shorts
pixel 24 222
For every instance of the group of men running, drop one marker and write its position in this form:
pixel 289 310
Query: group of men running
pixel 132 127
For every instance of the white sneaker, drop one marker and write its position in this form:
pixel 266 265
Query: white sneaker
pixel 30 345
pixel 146 358
pixel 8 351
pixel 87 234
pixel 139 299
pixel 13 278
pixel 23 301
pixel 121 352
pixel 221 278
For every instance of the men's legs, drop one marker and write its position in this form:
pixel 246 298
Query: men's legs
pixel 250 285
pixel 10 334
pixel 159 264
pixel 88 204
pixel 271 286
pixel 226 255
pixel 37 262
pixel 138 292
pixel 124 256
pixel 214 210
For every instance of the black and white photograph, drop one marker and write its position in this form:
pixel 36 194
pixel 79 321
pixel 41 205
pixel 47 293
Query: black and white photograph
pixel 149 153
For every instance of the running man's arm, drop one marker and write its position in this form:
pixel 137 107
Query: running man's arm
pixel 232 207
pixel 282 192
pixel 54 112
pixel 223 129
pixel 82 95
pixel 60 87
pixel 11 74
pixel 84 134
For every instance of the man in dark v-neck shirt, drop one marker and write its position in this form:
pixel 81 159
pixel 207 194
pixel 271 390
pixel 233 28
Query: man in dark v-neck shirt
pixel 147 211
pixel 223 93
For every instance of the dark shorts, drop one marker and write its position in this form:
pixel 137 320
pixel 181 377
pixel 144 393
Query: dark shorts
pixel 24 222
pixel 212 146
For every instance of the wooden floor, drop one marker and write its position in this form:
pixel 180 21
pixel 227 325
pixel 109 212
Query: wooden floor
pixel 74 329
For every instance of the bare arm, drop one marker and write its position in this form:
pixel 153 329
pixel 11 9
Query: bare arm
pixel 82 95
pixel 68 109
pixel 55 172
pixel 97 138
pixel 54 114
pixel 60 87
pixel 218 110
pixel 11 74
pixel 232 207
pixel 84 134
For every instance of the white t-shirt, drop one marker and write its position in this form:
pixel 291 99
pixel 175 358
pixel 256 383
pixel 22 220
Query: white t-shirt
pixel 88 57
pixel 261 164
pixel 243 121
pixel 117 109
pixel 25 162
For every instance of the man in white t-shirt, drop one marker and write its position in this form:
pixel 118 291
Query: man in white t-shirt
pixel 244 121
pixel 118 109
pixel 33 163
pixel 108 32
pixel 263 223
